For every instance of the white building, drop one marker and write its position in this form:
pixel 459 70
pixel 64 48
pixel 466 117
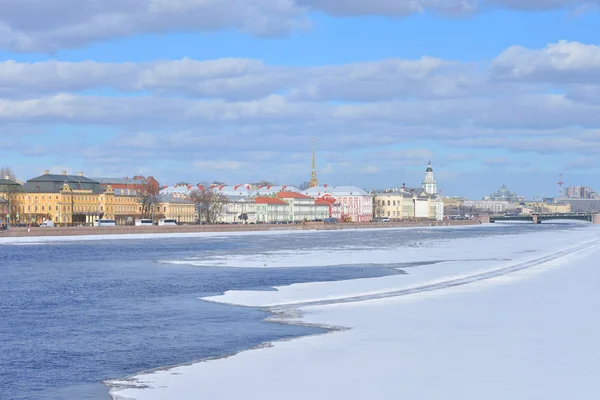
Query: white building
pixel 271 209
pixel 490 206
pixel 304 208
pixel 429 183
pixel 349 202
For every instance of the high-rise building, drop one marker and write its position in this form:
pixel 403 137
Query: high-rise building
pixel 580 192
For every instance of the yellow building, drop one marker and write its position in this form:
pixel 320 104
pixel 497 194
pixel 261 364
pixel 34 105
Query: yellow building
pixel 73 200
pixel 76 200
pixel 395 205
pixel 184 211
pixel 405 203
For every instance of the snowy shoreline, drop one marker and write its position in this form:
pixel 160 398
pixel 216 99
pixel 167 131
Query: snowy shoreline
pixel 532 255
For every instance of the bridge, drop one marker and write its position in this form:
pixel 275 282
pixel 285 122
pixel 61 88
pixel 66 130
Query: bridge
pixel 538 218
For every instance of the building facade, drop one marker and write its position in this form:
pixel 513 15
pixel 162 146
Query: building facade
pixel 407 204
pixel 351 204
pixel 304 208
pixel 271 210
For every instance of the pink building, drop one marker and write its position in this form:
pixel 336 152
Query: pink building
pixel 347 202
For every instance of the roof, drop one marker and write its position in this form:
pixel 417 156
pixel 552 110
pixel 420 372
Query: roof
pixel 270 190
pixel 170 199
pixel 52 183
pixel 292 195
pixel 323 202
pixel 270 200
pixel 108 181
pixel 8 185
pixel 335 191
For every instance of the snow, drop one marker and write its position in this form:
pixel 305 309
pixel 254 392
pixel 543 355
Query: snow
pixel 517 321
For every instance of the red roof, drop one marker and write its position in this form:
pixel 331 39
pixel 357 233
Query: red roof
pixel 270 200
pixel 292 195
pixel 323 202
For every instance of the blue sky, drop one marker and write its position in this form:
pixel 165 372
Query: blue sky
pixel 491 91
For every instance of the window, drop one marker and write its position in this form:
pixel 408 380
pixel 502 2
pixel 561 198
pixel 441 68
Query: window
pixel 388 213
pixel 56 208
pixel 388 203
pixel 394 202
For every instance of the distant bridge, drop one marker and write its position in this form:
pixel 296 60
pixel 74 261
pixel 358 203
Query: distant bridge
pixel 538 218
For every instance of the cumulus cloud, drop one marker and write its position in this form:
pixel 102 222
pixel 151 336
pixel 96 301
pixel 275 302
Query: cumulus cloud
pixel 562 62
pixel 243 112
pixel 52 25
pixel 241 79
pixel 49 25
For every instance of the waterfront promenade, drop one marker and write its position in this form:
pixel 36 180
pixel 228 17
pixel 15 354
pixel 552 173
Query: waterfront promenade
pixel 119 230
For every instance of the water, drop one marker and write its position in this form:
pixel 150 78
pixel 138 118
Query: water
pixel 75 313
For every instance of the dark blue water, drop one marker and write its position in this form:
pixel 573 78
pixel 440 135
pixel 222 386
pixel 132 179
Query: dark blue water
pixel 75 313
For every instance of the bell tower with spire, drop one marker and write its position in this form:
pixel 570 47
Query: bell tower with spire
pixel 429 183
pixel 313 177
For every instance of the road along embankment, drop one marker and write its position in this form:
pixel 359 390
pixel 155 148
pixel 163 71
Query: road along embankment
pixel 120 230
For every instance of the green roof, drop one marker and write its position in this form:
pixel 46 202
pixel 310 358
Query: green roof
pixel 10 186
pixel 52 183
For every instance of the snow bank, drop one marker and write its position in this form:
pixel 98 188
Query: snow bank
pixel 526 333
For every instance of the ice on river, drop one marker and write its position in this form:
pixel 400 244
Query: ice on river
pixel 498 317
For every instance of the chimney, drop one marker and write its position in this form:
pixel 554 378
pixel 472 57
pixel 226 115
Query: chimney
pixel 325 185
pixel 47 172
pixel 64 173
pixel 81 174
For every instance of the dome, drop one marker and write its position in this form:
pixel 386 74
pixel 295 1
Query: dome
pixel 429 169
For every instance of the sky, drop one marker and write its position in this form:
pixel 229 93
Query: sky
pixel 491 92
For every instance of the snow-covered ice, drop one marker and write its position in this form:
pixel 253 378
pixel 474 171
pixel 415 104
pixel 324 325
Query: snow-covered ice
pixel 502 317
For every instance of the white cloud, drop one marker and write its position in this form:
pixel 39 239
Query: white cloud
pixel 240 115
pixel 562 62
pixel 51 25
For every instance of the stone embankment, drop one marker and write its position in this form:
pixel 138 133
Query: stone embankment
pixel 111 230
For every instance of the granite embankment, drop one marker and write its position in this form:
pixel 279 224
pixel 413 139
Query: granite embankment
pixel 88 230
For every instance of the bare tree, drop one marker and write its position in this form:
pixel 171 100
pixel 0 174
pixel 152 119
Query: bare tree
pixel 7 171
pixel 303 186
pixel 147 196
pixel 209 203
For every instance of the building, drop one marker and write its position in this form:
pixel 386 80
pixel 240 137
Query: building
pixel 74 200
pixel 138 183
pixel 404 203
pixel 580 192
pixel 10 191
pixel 488 206
pixel 271 210
pixel 503 194
pixel 304 208
pixel 349 203
pixel 429 184
pixel 181 210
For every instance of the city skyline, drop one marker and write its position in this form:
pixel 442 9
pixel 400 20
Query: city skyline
pixel 383 87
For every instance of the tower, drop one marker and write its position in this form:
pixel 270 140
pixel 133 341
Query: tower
pixel 429 183
pixel 560 186
pixel 313 177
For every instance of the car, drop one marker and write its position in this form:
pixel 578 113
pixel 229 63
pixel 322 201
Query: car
pixel 47 224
